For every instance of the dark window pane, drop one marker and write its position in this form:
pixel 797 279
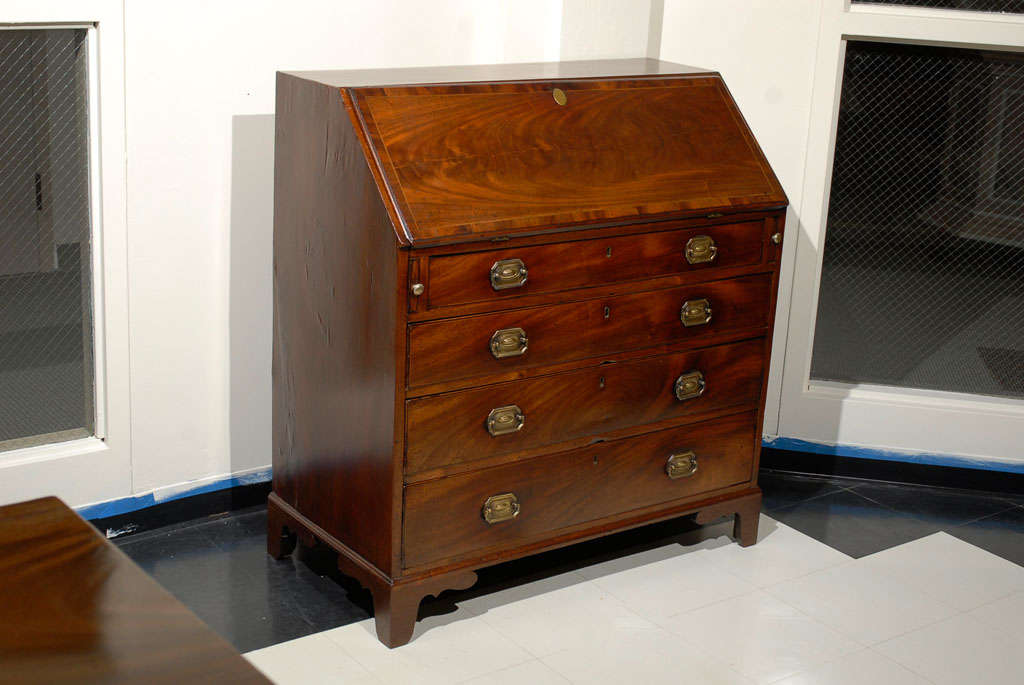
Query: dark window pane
pixel 46 367
pixel 1016 6
pixel 923 275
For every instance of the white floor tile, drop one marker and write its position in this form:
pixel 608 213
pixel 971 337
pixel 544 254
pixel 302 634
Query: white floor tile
pixel 959 650
pixel 781 553
pixel 310 659
pixel 761 636
pixel 667 581
pixel 565 612
pixel 443 650
pixel 858 668
pixel 530 673
pixel 1005 616
pixel 951 570
pixel 862 602
pixel 651 658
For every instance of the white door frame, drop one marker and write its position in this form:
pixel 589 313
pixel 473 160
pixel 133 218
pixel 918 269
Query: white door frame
pixel 971 429
pixel 95 468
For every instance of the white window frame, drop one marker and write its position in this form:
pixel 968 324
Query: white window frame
pixel 95 468
pixel 864 415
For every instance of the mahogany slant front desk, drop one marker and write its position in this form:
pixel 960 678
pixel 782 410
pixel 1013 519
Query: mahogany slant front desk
pixel 515 307
pixel 75 609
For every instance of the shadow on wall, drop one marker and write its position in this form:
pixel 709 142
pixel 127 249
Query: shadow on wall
pixel 250 315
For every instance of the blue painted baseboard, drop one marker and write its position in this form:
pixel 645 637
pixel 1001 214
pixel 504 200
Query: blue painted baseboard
pixel 856 452
pixel 126 505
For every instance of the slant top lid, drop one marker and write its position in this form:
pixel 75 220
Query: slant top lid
pixel 461 161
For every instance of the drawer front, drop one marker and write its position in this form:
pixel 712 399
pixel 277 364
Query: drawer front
pixel 454 428
pixel 509 273
pixel 530 500
pixel 501 342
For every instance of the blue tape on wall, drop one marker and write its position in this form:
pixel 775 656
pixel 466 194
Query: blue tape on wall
pixel 129 504
pixel 855 452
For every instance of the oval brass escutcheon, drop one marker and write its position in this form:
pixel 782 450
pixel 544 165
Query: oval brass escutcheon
pixel 559 96
pixel 505 420
pixel 508 273
pixel 690 385
pixel 695 312
pixel 498 508
pixel 701 249
pixel 681 465
pixel 509 342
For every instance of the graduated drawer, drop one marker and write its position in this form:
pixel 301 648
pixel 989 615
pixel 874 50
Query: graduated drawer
pixel 501 342
pixel 508 273
pixel 514 504
pixel 469 425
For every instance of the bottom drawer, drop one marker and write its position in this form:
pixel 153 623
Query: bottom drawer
pixel 529 500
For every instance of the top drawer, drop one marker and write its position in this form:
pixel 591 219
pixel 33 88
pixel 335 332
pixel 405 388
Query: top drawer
pixel 503 274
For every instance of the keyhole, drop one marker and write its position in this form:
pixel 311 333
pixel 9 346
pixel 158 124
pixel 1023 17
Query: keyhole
pixel 607 312
pixel 608 252
pixel 600 383
pixel 595 458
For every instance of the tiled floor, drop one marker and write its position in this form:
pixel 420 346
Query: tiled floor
pixel 851 582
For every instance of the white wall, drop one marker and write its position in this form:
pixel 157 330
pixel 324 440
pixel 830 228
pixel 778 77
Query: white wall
pixel 765 51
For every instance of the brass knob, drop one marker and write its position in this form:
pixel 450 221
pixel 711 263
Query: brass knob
pixel 695 312
pixel 701 249
pixel 509 342
pixel 776 238
pixel 508 273
pixel 505 420
pixel 417 289
pixel 690 385
pixel 498 508
pixel 559 96
pixel 681 465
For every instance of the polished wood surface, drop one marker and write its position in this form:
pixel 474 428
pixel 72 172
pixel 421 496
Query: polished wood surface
pixel 477 159
pixel 75 609
pixel 443 517
pixel 393 199
pixel 465 278
pixel 459 348
pixel 336 314
pixel 449 429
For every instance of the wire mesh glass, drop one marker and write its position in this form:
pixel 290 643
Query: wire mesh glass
pixel 1008 6
pixel 923 275
pixel 46 367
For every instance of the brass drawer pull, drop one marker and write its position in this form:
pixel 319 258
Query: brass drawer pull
pixel 498 508
pixel 690 385
pixel 701 249
pixel 509 342
pixel 508 273
pixel 681 465
pixel 505 420
pixel 695 312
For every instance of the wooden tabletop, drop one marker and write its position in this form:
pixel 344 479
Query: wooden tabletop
pixel 74 608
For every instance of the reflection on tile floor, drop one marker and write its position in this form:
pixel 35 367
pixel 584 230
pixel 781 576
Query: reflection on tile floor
pixel 846 574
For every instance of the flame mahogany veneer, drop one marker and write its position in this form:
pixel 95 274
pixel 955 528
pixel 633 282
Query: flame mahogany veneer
pixel 418 212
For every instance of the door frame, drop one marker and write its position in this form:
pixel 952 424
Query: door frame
pixel 95 468
pixel 867 419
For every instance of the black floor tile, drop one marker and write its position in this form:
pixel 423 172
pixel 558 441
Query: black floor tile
pixel 786 489
pixel 1001 534
pixel 943 506
pixel 853 524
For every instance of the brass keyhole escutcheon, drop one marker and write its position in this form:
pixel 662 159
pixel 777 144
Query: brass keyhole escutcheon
pixel 559 96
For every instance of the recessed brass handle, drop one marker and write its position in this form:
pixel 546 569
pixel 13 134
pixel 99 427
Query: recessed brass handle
pixel 505 420
pixel 509 342
pixel 695 312
pixel 690 385
pixel 681 465
pixel 508 273
pixel 498 508
pixel 701 249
